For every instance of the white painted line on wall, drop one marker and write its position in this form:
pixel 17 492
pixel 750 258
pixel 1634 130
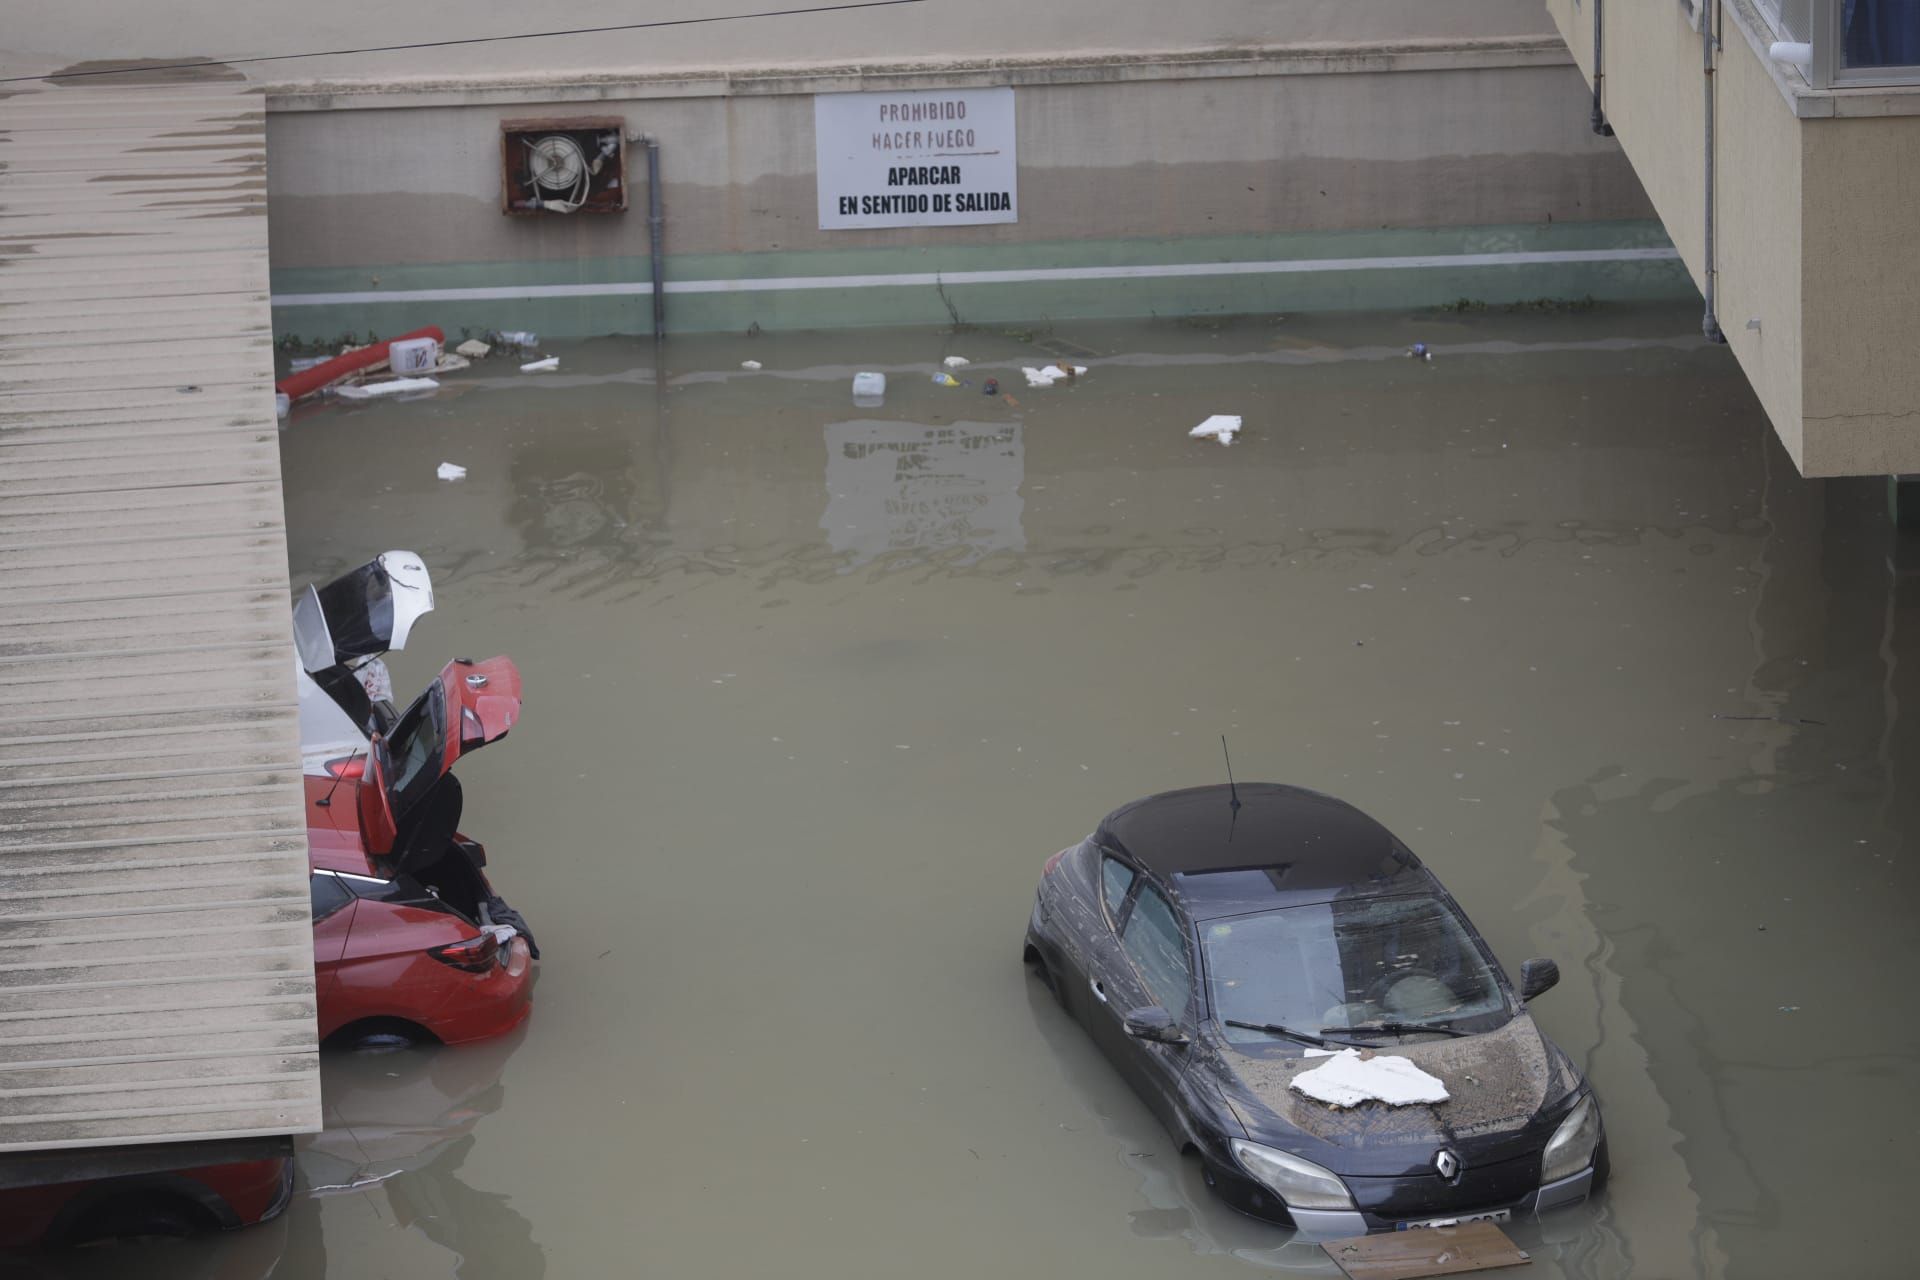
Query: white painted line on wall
pixel 1025 275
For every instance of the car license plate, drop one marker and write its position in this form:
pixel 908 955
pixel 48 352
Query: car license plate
pixel 1491 1215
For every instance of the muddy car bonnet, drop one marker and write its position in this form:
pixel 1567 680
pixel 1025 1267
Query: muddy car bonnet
pixel 1500 1084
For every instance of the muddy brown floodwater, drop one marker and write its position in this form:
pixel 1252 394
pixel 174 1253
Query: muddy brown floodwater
pixel 813 690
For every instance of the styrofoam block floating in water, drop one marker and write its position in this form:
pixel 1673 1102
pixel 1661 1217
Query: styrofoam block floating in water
pixel 869 384
pixel 1221 427
pixel 392 387
pixel 1052 373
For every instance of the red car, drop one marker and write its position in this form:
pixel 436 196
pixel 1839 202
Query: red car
pixel 409 938
pixel 158 1202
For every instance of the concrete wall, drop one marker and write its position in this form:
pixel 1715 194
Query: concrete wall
pixel 1862 283
pixel 1289 155
pixel 52 37
pixel 1815 193
pixel 1142 159
pixel 1759 237
pixel 1388 153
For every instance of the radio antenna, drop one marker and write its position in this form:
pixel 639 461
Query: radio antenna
pixel 339 777
pixel 1233 789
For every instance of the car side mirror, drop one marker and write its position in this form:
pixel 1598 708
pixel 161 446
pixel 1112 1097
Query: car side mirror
pixel 1151 1022
pixel 1537 977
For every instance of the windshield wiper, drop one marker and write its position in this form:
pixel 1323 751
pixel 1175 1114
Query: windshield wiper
pixel 1401 1028
pixel 1275 1029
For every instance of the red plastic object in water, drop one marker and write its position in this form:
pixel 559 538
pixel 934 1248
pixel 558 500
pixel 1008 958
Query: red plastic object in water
pixel 297 385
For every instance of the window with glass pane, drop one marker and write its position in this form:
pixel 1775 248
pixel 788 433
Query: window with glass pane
pixel 1115 878
pixel 1158 948
pixel 1792 19
pixel 1880 33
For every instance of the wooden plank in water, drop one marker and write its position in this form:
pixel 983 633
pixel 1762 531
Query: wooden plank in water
pixel 1425 1251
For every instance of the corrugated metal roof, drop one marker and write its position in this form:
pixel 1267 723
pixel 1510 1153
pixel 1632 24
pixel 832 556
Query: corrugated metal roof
pixel 156 958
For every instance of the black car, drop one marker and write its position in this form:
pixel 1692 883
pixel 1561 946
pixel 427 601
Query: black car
pixel 1217 944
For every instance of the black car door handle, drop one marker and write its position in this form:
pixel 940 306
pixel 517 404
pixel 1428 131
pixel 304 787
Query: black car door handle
pixel 1099 992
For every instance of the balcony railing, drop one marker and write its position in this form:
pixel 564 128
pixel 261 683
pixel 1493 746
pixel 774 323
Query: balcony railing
pixel 1851 43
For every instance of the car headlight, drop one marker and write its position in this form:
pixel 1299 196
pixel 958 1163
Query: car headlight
pixel 1301 1183
pixel 1571 1148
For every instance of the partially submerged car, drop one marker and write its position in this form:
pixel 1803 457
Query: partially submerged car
pixel 342 632
pixel 410 940
pixel 137 1198
pixel 1221 944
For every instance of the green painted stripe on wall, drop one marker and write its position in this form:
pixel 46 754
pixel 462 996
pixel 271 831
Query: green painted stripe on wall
pixel 882 302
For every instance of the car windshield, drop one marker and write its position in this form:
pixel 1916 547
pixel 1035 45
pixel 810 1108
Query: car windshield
pixel 1346 965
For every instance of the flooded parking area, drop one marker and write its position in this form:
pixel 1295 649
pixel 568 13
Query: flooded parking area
pixel 813 689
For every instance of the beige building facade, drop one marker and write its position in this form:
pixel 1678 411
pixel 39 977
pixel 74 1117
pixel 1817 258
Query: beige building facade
pixel 1814 190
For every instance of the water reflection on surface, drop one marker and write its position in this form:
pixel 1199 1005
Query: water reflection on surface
pixel 903 487
pixel 397 1157
pixel 1554 607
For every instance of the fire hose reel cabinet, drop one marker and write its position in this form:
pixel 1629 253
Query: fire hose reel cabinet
pixel 563 166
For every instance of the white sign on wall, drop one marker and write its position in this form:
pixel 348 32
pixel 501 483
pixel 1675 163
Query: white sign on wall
pixel 926 158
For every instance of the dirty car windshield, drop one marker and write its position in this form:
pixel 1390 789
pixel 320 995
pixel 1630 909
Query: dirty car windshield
pixel 1345 964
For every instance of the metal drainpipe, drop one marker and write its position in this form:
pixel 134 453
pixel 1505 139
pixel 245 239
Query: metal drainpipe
pixel 1710 322
pixel 1600 125
pixel 655 229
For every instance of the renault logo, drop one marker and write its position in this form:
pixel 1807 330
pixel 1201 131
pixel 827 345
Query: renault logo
pixel 1447 1163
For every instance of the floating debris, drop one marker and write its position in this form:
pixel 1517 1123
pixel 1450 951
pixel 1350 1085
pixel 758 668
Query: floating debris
pixel 392 387
pixel 1052 373
pixel 1221 427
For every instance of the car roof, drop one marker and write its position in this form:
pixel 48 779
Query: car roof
pixel 1284 846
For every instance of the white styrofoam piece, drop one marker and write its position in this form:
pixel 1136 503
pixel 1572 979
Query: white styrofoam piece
pixel 957 362
pixel 541 366
pixel 1346 1079
pixel 451 471
pixel 392 387
pixel 1221 427
pixel 750 366
pixel 1051 374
